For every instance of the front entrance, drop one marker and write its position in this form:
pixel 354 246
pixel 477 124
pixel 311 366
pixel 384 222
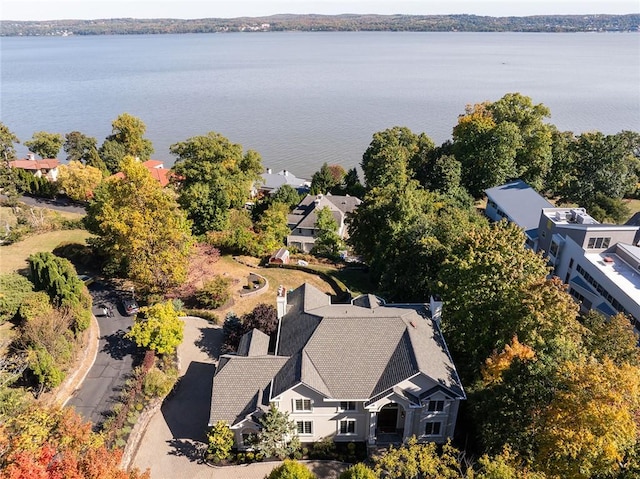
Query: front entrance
pixel 388 419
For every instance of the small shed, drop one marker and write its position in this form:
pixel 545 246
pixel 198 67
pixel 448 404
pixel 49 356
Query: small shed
pixel 280 257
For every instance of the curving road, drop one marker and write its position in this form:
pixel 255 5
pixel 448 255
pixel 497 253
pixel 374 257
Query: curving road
pixel 99 391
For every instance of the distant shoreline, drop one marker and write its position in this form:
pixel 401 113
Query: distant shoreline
pixel 327 23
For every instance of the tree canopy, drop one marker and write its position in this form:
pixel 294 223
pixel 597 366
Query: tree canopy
pixel 78 180
pixel 50 443
pixel 45 145
pixel 393 156
pixel 213 175
pixel 158 328
pixel 140 229
pixel 127 138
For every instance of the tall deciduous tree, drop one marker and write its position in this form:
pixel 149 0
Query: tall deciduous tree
pixel 78 180
pixel 127 138
pixel 158 328
pixel 140 229
pixel 9 179
pixel 213 175
pixel 393 156
pixel 78 146
pixel 604 164
pixel 272 228
pixel 611 337
pixel 45 145
pixel 533 157
pixel 482 283
pixel 287 195
pixel 485 149
pixel 592 421
pixel 7 143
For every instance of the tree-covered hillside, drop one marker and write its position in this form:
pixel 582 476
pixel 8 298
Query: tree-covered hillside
pixel 345 23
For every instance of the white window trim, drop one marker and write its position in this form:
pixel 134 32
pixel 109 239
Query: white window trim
pixel 440 432
pixel 304 422
pixel 296 410
pixel 355 427
pixel 341 409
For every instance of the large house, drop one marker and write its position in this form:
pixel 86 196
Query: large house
pixel 363 371
pixel 600 263
pixel 47 168
pixel 302 220
pixel 271 182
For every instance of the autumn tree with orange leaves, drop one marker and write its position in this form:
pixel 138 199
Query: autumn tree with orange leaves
pixel 53 443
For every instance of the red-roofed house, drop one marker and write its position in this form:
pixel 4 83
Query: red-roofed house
pixel 46 167
pixel 157 171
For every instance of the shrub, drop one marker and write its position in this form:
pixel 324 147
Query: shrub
pixel 14 288
pixel 324 449
pixel 291 470
pixel 358 471
pixel 220 441
pixel 214 292
pixel 44 368
pixel 158 384
pixel 204 314
pixel 263 317
pixel 232 331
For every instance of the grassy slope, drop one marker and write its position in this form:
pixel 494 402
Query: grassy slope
pixel 14 257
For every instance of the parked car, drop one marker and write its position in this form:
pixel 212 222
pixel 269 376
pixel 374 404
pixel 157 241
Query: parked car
pixel 130 306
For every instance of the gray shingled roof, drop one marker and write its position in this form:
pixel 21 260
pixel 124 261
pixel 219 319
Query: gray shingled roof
pixel 343 351
pixel 253 343
pixel 241 386
pixel 304 214
pixel 389 343
pixel 520 202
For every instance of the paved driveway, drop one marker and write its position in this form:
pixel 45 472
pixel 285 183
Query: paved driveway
pixel 169 447
pixel 99 391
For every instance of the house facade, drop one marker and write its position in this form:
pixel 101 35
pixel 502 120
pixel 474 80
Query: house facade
pixel 47 168
pixel 363 371
pixel 302 220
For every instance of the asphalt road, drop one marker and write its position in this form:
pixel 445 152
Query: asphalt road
pixel 99 392
pixel 53 204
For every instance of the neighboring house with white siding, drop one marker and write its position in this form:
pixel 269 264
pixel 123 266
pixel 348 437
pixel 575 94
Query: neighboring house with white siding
pixel 364 371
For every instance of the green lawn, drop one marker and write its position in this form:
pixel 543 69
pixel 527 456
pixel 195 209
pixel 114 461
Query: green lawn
pixel 14 257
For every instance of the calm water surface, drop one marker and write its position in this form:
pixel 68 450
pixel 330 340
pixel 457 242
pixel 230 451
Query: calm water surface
pixel 304 98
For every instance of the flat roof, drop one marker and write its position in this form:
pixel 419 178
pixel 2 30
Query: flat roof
pixel 619 272
pixel 521 203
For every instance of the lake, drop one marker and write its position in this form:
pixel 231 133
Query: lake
pixel 301 99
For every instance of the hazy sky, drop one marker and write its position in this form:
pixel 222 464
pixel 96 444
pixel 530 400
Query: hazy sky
pixel 93 9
